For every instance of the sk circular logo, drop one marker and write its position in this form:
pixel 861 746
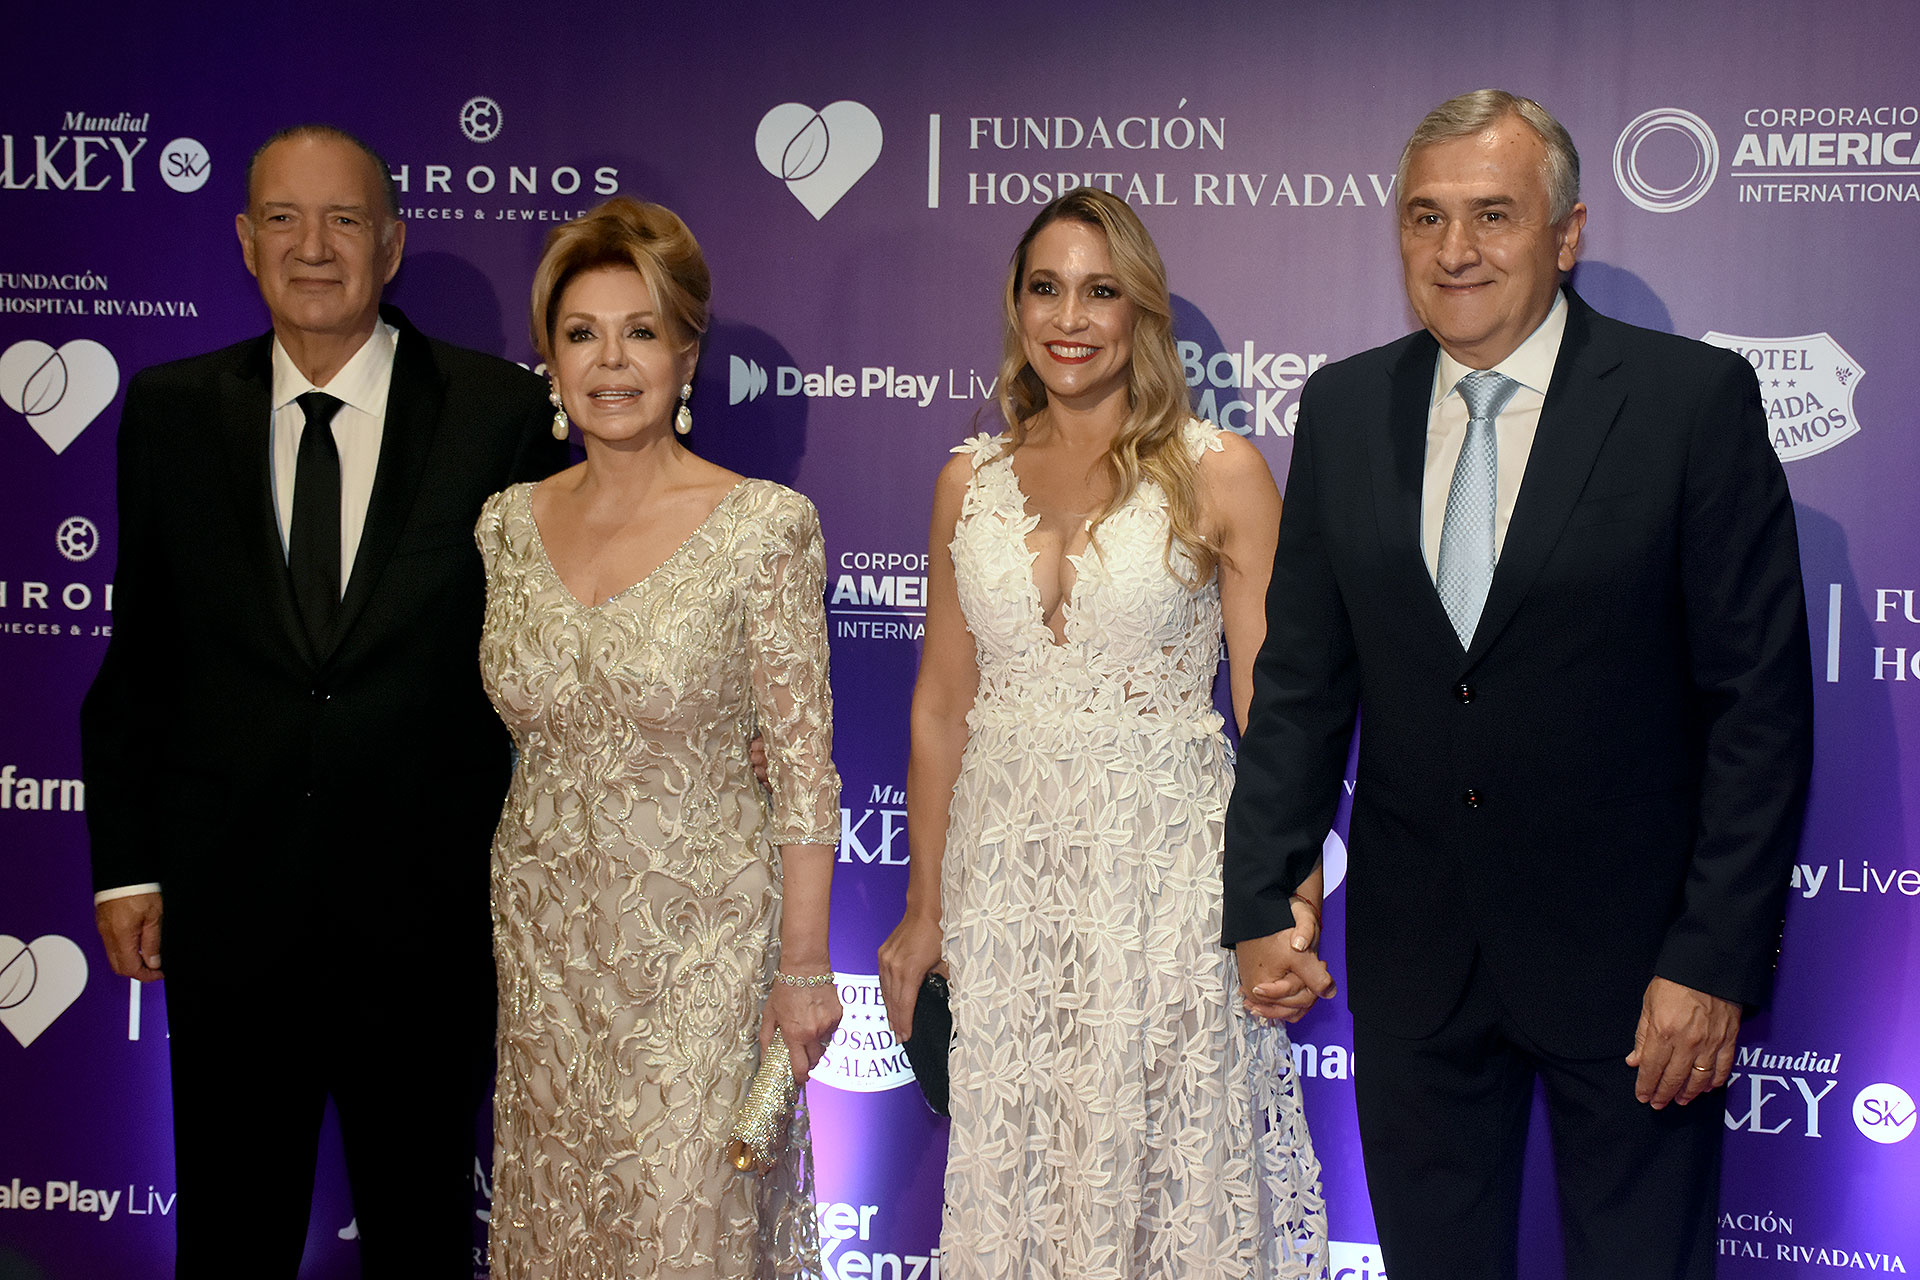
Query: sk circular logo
pixel 481 119
pixel 1884 1112
pixel 185 164
pixel 77 538
pixel 1647 179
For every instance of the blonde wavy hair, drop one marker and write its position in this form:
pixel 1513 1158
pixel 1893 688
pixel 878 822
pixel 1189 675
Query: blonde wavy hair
pixel 1150 444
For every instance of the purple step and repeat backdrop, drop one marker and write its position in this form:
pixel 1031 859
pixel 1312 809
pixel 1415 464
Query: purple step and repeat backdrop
pixel 858 177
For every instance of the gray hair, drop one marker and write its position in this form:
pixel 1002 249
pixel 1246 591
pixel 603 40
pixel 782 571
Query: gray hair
pixel 330 133
pixel 1476 112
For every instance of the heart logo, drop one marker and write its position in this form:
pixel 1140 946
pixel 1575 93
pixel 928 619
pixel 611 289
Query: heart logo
pixel 818 154
pixel 38 980
pixel 60 392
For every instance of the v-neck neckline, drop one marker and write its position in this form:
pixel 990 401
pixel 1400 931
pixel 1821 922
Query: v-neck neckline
pixel 540 541
pixel 1030 520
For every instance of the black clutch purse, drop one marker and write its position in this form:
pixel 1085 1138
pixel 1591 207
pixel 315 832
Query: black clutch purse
pixel 932 1036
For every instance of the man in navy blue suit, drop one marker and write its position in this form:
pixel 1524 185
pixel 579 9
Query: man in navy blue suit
pixel 1550 560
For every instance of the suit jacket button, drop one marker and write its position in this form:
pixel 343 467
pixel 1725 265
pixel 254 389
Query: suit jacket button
pixel 321 695
pixel 1472 798
pixel 1464 692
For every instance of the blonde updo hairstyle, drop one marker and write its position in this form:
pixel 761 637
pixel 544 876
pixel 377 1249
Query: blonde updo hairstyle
pixel 1150 444
pixel 625 232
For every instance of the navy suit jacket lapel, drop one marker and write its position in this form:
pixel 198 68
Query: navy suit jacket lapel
pixel 1399 468
pixel 413 415
pixel 245 428
pixel 1580 409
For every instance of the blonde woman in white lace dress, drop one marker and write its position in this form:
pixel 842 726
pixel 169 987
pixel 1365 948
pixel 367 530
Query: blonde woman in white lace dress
pixel 656 916
pixel 1117 1112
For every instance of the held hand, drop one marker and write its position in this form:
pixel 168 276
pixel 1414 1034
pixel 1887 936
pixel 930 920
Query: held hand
pixel 1683 1046
pixel 757 757
pixel 130 928
pixel 807 1017
pixel 1281 975
pixel 910 952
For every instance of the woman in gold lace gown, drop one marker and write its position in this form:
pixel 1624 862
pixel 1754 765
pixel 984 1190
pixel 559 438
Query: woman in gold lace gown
pixel 656 914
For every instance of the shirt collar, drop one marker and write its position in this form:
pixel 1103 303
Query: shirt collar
pixel 1530 364
pixel 361 382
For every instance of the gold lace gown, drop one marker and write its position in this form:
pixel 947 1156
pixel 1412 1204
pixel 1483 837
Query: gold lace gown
pixel 636 890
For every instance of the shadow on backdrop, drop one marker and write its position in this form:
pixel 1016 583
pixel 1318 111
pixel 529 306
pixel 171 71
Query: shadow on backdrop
pixel 449 298
pixel 1190 324
pixel 1617 292
pixel 740 421
pixel 1856 813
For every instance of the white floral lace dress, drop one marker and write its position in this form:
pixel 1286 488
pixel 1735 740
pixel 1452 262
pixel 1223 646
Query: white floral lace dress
pixel 1116 1114
pixel 636 890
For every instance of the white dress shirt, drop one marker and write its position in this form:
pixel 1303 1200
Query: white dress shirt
pixel 362 386
pixel 1530 365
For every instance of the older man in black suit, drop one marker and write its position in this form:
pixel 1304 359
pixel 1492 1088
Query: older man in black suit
pixel 287 744
pixel 1550 559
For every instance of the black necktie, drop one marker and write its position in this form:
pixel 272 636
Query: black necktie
pixel 313 543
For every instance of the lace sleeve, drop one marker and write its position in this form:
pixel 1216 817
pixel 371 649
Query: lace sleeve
pixel 793 702
pixel 489 532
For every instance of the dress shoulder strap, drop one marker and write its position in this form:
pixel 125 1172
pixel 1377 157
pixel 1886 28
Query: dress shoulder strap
pixel 980 449
pixel 1201 436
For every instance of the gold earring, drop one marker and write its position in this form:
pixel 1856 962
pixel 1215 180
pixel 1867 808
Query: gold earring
pixel 559 413
pixel 683 418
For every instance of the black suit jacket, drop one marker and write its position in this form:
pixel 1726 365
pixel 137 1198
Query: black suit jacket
pixel 1608 785
pixel 340 803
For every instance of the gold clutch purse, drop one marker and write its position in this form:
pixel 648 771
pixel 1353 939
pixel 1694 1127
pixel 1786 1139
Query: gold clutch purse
pixel 761 1126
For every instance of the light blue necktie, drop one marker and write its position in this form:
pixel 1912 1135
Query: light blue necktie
pixel 1466 535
